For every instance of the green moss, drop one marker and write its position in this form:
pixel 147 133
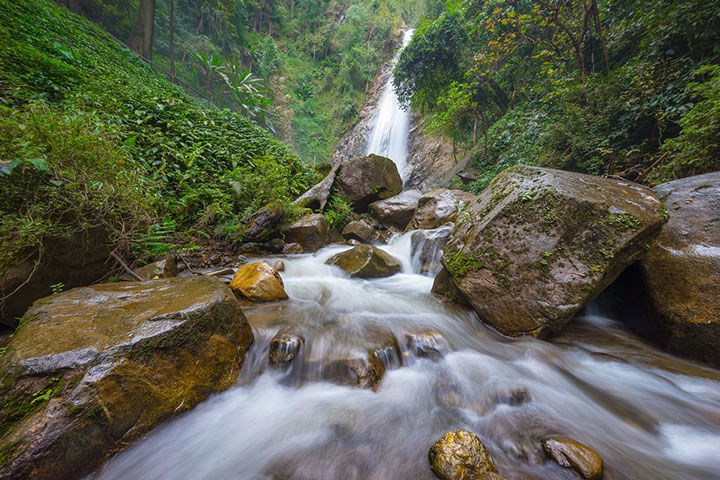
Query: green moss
pixel 459 264
pixel 22 406
pixel 9 452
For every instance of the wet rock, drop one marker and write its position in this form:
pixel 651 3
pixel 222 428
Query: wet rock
pixel 80 260
pixel 353 242
pixel 292 248
pixel 275 245
pixel 539 244
pixel 513 397
pixel 334 235
pixel 113 361
pixel 359 230
pixel 162 269
pixel 573 454
pixel 427 345
pixel 364 180
pixel 366 261
pixel 280 266
pixel 460 455
pixel 358 372
pixel 284 348
pixel 396 211
pixel 310 232
pixel 438 207
pixel 264 223
pixel 444 286
pixel 252 248
pixel 681 272
pixel 427 246
pixel 259 281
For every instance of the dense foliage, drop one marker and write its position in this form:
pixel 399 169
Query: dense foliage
pixel 590 86
pixel 301 67
pixel 89 135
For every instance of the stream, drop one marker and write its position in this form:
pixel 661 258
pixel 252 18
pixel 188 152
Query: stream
pixel 650 415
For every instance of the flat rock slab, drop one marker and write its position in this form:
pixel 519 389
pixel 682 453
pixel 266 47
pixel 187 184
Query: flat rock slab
pixel 682 269
pixel 539 244
pixel 94 368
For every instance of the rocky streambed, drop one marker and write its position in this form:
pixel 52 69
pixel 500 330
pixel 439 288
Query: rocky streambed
pixel 358 359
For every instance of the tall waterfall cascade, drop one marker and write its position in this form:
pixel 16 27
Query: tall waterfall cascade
pixel 391 126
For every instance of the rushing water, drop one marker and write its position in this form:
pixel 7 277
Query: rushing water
pixel 650 415
pixel 391 123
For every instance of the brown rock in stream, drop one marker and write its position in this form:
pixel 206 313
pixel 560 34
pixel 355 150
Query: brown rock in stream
pixel 396 211
pixel 259 281
pixel 359 230
pixel 539 244
pixel 460 455
pixel 165 268
pixel 95 368
pixel 310 232
pixel 682 270
pixel 366 261
pixel 573 454
pixel 283 349
pixel 439 207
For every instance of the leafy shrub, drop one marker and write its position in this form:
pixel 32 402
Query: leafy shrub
pixel 338 212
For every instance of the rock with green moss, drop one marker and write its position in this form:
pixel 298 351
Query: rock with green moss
pixel 539 244
pixel 95 368
pixel 440 207
pixel 460 455
pixel 364 180
pixel 310 232
pixel 681 272
pixel 264 223
pixel 366 261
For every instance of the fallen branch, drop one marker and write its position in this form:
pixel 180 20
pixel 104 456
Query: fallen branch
pixel 125 267
pixel 187 264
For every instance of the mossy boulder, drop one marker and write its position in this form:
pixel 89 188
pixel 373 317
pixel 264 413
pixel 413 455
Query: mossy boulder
pixel 539 244
pixel 570 453
pixel 94 368
pixel 439 207
pixel 310 232
pixel 461 455
pixel 364 180
pixel 264 223
pixel 396 211
pixel 366 261
pixel 681 272
pixel 259 281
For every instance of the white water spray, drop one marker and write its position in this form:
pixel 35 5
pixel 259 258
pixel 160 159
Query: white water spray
pixel 390 131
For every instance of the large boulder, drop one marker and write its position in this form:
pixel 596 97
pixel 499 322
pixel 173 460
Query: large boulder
pixel 396 211
pixel 366 261
pixel 310 232
pixel 261 225
pixel 570 453
pixel 439 207
pixel 364 180
pixel 94 368
pixel 682 270
pixel 539 244
pixel 259 281
pixel 461 455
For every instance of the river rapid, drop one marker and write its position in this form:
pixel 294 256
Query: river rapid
pixel 650 415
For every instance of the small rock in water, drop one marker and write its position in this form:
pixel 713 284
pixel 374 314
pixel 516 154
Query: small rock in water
pixel 573 454
pixel 165 268
pixel 427 345
pixel 513 397
pixel 241 260
pixel 460 455
pixel 353 242
pixel 359 230
pixel 292 248
pixel 284 348
pixel 366 261
pixel 259 281
pixel 280 266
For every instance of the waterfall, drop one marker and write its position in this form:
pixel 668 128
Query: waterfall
pixel 391 124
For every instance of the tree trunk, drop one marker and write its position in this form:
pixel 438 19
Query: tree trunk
pixel 172 41
pixel 141 40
